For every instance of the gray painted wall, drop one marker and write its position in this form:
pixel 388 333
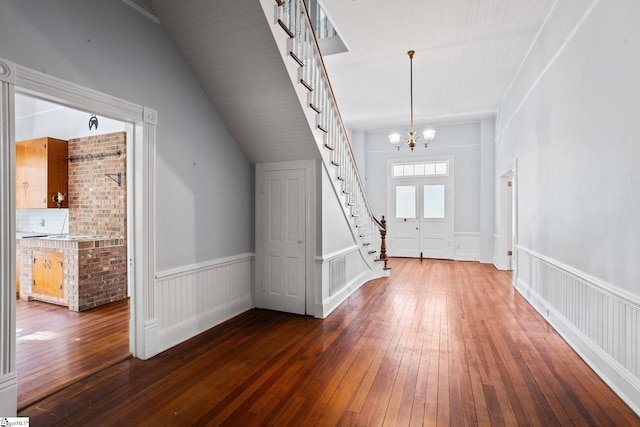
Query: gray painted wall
pixel 204 182
pixel 460 140
pixel 571 120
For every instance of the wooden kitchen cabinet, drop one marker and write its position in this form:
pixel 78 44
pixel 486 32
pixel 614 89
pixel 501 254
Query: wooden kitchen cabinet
pixel 48 274
pixel 41 172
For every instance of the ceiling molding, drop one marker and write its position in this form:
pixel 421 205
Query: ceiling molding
pixel 142 10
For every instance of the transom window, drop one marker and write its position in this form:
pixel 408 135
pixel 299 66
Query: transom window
pixel 420 169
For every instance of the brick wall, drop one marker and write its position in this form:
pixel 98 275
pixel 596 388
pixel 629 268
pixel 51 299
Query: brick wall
pixel 97 205
pixel 102 275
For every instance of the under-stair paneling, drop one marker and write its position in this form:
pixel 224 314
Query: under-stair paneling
pixel 233 54
pixel 194 298
pixel 342 268
pixel 599 320
pixel 341 273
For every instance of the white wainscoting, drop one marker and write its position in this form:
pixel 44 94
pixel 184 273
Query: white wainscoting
pixel 8 395
pixel 599 320
pixel 466 246
pixel 197 297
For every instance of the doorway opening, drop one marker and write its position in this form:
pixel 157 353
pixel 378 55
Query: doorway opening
pixel 420 207
pixel 507 240
pixel 140 176
pixel 71 321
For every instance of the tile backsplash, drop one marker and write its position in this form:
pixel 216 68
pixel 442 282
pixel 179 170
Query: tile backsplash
pixel 49 221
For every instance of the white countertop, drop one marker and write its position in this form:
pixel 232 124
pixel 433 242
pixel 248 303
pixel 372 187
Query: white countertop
pixel 73 237
pixel 21 234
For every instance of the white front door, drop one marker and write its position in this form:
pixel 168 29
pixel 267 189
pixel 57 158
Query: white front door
pixel 283 223
pixel 421 210
pixel 405 224
pixel 435 230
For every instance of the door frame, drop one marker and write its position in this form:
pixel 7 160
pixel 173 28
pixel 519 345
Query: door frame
pixel 140 199
pixel 449 201
pixel 312 295
pixel 508 220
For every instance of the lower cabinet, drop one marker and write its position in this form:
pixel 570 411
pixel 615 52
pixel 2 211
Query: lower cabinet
pixel 48 274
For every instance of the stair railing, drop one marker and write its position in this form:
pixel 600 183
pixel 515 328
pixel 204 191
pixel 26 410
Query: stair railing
pixel 294 19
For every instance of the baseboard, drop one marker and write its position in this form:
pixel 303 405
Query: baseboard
pixel 467 256
pixel 150 340
pixel 567 288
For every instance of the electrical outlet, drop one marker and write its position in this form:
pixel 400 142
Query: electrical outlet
pixel 42 222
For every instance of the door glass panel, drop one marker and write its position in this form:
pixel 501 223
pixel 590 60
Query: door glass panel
pixel 408 170
pixel 398 170
pixel 419 169
pixel 434 201
pixel 405 201
pixel 429 169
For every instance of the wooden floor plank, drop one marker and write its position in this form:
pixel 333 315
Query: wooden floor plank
pixel 56 347
pixel 438 343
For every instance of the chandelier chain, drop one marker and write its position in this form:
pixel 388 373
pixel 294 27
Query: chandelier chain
pixel 428 135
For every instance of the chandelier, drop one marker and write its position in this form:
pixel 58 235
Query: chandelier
pixel 427 136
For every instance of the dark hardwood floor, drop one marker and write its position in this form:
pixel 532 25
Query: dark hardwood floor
pixel 439 343
pixel 56 347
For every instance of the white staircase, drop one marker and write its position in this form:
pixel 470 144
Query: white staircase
pixel 298 46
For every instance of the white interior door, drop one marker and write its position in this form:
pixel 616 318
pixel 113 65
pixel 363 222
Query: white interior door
pixel 507 223
pixel 283 264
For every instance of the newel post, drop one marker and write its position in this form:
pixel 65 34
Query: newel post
pixel 383 242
